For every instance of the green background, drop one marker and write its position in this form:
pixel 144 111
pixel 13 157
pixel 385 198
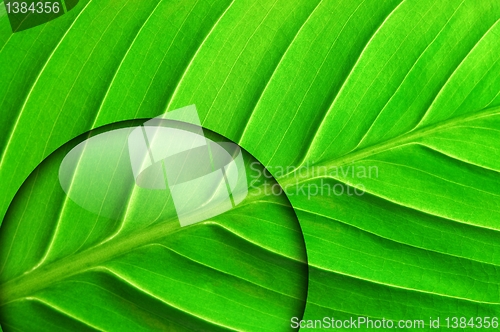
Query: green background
pixel 410 87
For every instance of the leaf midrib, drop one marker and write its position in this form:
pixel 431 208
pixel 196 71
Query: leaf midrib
pixel 73 264
pixel 295 176
pixel 43 276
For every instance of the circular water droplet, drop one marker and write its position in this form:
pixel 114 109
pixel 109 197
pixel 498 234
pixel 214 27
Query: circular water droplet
pixel 176 210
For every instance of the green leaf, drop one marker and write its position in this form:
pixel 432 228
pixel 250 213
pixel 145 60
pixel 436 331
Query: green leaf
pixel 135 265
pixel 316 91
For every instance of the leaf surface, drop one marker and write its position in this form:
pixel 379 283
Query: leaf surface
pixel 215 274
pixel 409 89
